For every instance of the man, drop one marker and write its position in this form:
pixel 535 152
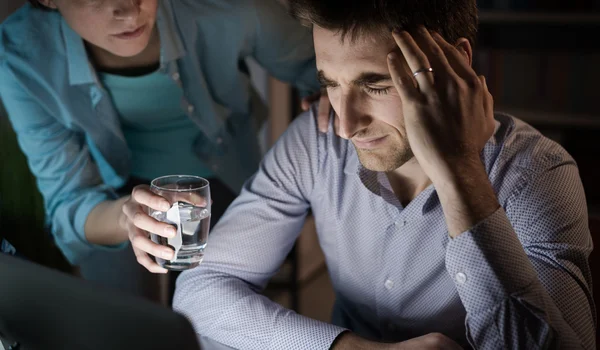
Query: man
pixel 443 225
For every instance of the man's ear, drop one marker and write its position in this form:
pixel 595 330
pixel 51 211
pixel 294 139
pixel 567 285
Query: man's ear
pixel 48 3
pixel 464 47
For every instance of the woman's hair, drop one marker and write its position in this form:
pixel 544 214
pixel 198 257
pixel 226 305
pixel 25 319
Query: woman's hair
pixel 36 4
pixel 453 19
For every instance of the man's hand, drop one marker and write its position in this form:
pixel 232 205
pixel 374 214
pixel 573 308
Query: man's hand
pixel 431 341
pixel 448 116
pixel 324 110
pixel 448 113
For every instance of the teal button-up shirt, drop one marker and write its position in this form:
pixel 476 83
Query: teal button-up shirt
pixel 68 127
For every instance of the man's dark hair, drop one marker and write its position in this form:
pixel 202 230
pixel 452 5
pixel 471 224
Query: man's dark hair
pixel 453 19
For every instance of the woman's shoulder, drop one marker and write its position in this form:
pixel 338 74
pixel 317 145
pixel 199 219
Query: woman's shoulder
pixel 30 34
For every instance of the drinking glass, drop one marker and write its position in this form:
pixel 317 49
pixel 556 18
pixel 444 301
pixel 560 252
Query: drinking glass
pixel 189 197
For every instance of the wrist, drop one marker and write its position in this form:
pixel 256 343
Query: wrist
pixel 105 224
pixel 458 171
pixel 466 195
pixel 350 341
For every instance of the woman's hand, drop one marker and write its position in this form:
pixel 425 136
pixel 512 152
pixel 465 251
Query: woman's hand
pixel 138 223
pixel 324 111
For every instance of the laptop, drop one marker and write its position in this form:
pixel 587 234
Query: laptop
pixel 44 309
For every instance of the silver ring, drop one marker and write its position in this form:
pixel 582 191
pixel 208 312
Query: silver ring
pixel 424 70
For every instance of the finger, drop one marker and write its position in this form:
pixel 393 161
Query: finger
pixel 150 265
pixel 139 239
pixel 143 221
pixel 143 195
pixel 402 78
pixel 436 56
pixel 488 99
pixel 190 197
pixel 488 108
pixel 305 104
pixel 336 124
pixel 415 58
pixel 308 100
pixel 456 60
pixel 324 113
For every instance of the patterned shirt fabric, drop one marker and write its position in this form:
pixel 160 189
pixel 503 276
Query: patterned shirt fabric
pixel 518 280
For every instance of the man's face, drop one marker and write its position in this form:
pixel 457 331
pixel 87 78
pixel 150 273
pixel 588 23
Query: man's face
pixel 363 95
pixel 121 27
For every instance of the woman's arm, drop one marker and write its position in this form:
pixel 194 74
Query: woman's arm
pixel 66 174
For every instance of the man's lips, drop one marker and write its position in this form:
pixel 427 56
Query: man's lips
pixel 369 143
pixel 131 34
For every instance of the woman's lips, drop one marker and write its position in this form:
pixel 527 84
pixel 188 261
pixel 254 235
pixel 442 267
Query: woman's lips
pixel 132 35
pixel 369 143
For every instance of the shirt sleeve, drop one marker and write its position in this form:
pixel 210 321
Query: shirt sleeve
pixel 59 158
pixel 523 274
pixel 246 248
pixel 284 47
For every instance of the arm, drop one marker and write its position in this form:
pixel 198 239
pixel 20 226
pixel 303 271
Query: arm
pixel 246 248
pixel 59 159
pixel 527 279
pixel 524 282
pixel 283 46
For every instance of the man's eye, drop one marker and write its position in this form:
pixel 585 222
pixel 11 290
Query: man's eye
pixel 377 91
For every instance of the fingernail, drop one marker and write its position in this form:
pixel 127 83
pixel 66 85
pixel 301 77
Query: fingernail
pixel 169 231
pixel 391 56
pixel 165 206
pixel 168 254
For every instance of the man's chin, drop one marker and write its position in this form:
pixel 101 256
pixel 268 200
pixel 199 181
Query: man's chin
pixel 383 163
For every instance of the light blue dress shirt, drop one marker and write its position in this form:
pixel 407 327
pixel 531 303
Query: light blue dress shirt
pixel 519 279
pixel 68 127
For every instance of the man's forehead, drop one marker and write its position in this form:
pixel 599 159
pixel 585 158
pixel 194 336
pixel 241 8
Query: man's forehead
pixel 332 45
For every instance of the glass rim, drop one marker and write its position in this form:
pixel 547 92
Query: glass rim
pixel 197 188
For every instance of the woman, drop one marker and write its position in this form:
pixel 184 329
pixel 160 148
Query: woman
pixel 105 95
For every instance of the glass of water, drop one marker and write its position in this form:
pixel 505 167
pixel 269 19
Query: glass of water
pixel 189 197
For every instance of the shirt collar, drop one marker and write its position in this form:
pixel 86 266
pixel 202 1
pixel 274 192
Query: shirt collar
pixel 172 47
pixel 80 68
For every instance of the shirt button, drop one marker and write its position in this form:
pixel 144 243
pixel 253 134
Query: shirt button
pixel 389 284
pixel 215 167
pixel 175 76
pixel 461 278
pixel 400 223
pixel 219 141
pixel 191 108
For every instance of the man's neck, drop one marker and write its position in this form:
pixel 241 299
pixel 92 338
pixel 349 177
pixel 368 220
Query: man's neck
pixel 408 181
pixel 146 61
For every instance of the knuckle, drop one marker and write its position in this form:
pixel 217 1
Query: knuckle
pixel 136 192
pixel 138 217
pixel 437 338
pixel 137 239
pixel 140 259
pixel 473 83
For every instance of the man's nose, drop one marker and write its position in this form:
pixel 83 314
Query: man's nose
pixel 353 117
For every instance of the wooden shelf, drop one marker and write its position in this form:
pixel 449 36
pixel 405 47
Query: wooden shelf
pixel 552 119
pixel 508 17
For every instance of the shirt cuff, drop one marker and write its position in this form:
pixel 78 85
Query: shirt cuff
pixel 71 239
pixel 488 263
pixel 300 332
